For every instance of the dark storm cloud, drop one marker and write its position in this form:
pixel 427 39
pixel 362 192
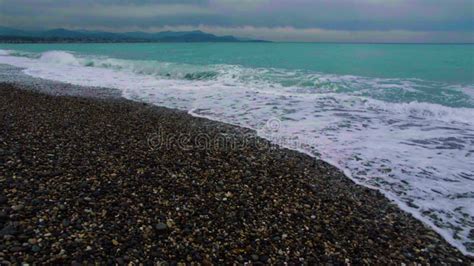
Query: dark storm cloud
pixel 422 16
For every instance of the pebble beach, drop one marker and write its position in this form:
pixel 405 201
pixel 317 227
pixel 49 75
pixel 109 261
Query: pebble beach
pixel 86 178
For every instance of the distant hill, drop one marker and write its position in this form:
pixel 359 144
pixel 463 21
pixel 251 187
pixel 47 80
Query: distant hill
pixel 12 32
pixel 63 35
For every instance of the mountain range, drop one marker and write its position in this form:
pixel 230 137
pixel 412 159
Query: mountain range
pixel 64 35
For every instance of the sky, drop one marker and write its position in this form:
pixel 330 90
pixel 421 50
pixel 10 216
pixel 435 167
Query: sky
pixel 275 20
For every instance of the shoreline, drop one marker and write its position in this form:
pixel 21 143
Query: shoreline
pixel 58 88
pixel 329 194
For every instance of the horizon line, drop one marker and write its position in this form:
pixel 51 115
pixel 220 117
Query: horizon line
pixel 241 38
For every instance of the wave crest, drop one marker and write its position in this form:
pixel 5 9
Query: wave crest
pixel 59 57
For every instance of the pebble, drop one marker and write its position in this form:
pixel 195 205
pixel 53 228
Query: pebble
pixel 17 207
pixel 161 227
pixel 35 248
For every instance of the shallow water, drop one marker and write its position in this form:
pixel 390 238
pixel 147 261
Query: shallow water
pixel 399 118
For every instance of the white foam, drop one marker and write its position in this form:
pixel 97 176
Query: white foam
pixel 416 153
pixel 59 57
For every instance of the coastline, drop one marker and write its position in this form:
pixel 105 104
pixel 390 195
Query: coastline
pixel 256 203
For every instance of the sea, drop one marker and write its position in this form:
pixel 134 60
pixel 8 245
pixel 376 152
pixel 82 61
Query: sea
pixel 398 118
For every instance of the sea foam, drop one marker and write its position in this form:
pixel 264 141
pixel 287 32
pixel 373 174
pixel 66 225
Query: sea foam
pixel 394 135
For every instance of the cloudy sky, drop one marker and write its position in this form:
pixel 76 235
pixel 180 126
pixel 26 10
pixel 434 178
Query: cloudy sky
pixel 277 20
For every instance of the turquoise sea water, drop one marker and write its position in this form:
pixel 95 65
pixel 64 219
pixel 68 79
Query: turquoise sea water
pixel 439 65
pixel 394 117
